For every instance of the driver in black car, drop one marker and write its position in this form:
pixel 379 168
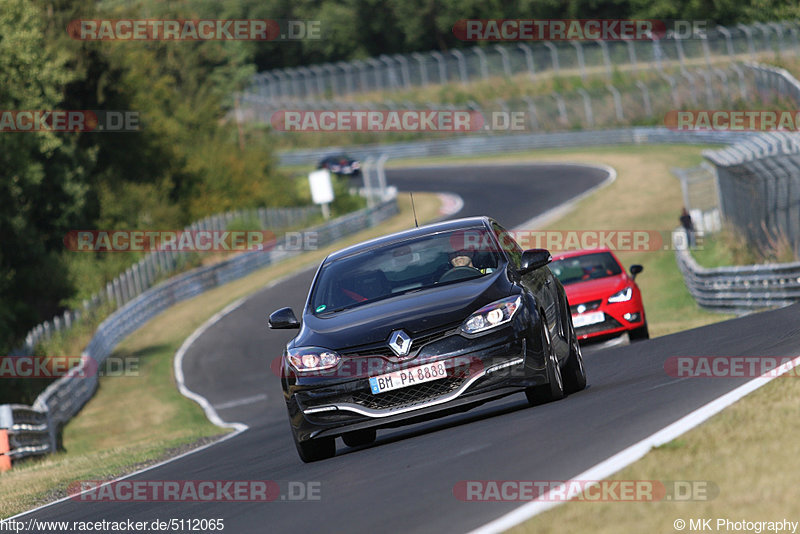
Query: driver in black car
pixel 463 258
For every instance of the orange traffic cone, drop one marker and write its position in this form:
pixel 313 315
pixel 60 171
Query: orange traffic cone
pixel 5 460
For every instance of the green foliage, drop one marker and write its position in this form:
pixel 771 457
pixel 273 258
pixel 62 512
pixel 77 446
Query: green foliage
pixel 188 160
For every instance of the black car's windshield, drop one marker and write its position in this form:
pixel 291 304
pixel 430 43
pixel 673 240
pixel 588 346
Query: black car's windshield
pixel 585 267
pixel 403 267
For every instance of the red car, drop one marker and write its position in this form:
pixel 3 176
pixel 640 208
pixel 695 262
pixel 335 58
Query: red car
pixel 604 299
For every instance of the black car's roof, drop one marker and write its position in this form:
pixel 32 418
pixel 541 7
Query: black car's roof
pixel 429 229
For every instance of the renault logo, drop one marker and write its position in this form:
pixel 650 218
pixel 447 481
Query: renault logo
pixel 400 343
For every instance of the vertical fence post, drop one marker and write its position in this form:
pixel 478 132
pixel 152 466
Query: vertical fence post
pixel 648 109
pixel 581 63
pixel 632 56
pixel 442 67
pixel 553 55
pixel 728 42
pixel 528 59
pixel 482 62
pixel 606 57
pixel 587 107
pixel 617 101
pixel 506 62
pixel 462 65
pixel 423 72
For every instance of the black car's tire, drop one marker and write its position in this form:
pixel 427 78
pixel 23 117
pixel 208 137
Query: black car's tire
pixel 554 389
pixel 358 438
pixel 314 450
pixel 574 372
pixel 639 334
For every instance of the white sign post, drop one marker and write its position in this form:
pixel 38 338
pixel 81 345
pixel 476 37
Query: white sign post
pixel 321 190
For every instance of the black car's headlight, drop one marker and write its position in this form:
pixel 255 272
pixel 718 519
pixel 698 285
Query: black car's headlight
pixel 622 296
pixel 307 359
pixel 492 315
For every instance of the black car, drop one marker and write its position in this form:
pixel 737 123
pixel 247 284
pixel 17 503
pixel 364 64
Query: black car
pixel 341 164
pixel 421 324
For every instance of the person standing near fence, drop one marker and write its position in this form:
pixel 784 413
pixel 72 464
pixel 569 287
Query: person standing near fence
pixel 688 226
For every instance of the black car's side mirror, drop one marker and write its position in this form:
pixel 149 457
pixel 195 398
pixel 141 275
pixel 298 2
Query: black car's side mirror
pixel 283 318
pixel 636 269
pixel 533 259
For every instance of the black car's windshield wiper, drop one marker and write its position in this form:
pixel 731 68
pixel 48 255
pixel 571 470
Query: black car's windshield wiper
pixel 341 308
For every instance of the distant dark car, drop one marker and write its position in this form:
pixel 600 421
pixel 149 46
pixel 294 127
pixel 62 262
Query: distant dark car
pixel 421 324
pixel 341 164
pixel 604 299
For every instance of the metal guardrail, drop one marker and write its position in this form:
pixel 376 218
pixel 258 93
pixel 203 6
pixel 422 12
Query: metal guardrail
pixel 742 288
pixel 35 430
pixel 495 144
pixel 24 432
pixel 155 265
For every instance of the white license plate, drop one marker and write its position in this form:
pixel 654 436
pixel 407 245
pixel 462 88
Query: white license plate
pixel 586 319
pixel 407 377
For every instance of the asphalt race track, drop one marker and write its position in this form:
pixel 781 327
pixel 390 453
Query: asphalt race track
pixel 404 483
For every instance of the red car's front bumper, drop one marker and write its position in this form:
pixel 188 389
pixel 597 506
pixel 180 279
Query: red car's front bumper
pixel 617 317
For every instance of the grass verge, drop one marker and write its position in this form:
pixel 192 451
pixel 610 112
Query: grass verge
pixel 135 421
pixel 743 451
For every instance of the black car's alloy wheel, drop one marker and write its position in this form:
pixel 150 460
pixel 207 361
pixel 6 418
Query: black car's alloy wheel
pixel 554 389
pixel 574 372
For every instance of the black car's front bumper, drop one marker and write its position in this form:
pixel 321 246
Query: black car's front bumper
pixel 479 368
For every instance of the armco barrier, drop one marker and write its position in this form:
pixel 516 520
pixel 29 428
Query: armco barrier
pixel 741 288
pixel 35 430
pixel 156 265
pixel 496 144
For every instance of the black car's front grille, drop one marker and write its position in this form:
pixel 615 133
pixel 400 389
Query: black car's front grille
pixel 408 396
pixel 588 306
pixel 417 342
pixel 609 324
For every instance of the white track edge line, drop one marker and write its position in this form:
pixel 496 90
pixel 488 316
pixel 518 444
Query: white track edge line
pixel 633 453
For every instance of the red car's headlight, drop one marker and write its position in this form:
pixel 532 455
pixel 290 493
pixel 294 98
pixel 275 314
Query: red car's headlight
pixel 622 296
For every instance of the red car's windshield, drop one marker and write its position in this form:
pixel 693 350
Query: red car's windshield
pixel 585 267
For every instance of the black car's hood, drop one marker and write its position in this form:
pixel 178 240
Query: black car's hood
pixel 413 312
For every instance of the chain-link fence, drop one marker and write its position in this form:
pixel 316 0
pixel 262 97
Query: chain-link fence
pixel 532 60
pixel 759 188
pixel 644 101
